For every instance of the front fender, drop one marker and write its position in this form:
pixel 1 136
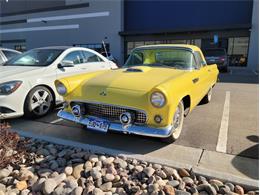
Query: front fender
pixel 175 90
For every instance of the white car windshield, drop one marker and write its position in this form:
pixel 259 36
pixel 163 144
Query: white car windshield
pixel 162 57
pixel 35 57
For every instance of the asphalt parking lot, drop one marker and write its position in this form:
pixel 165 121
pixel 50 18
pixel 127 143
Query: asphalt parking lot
pixel 228 124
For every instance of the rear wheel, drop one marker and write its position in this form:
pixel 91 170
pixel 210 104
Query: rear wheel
pixel 177 124
pixel 39 102
pixel 207 98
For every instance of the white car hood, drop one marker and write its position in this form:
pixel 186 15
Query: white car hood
pixel 8 73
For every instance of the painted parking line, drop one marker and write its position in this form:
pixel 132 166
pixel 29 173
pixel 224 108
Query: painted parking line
pixel 223 131
pixel 56 121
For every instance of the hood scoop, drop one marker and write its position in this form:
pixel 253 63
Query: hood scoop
pixel 133 70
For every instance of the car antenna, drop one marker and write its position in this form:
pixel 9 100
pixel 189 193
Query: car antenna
pixel 104 45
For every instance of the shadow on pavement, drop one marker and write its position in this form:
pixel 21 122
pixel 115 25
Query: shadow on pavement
pixel 71 131
pixel 136 144
pixel 251 169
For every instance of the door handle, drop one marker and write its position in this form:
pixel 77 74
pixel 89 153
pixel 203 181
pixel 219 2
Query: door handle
pixel 195 80
pixel 209 70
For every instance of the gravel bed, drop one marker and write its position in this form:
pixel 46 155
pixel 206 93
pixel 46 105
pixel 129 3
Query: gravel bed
pixel 58 170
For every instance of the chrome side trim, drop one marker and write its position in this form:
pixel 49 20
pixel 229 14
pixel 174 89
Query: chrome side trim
pixel 134 129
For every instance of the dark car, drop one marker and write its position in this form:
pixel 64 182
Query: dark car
pixel 217 56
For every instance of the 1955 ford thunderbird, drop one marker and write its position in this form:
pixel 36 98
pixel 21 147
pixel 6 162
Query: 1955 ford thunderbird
pixel 150 95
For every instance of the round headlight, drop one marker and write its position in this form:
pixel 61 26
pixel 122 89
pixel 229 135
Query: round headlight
pixel 61 89
pixel 157 99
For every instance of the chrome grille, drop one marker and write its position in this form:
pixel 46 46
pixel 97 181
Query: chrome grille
pixel 112 112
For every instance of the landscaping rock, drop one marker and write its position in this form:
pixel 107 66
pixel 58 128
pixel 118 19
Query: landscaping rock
pixel 106 186
pixel 68 170
pixel 109 177
pixel 169 190
pixel 174 183
pixel 48 186
pixel 95 173
pixel 238 189
pixel 61 170
pixel 149 171
pixel 183 173
pixel 21 185
pixel 77 171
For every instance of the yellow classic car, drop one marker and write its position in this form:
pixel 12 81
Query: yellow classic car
pixel 150 95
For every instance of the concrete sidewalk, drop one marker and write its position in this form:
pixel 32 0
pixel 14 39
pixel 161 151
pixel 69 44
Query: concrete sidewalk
pixel 232 168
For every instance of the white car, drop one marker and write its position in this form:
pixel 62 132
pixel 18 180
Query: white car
pixel 7 54
pixel 27 81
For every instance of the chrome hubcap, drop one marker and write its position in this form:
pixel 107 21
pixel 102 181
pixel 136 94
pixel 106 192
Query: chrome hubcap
pixel 210 93
pixel 177 117
pixel 41 102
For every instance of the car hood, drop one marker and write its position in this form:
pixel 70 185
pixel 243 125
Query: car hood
pixel 139 78
pixel 8 73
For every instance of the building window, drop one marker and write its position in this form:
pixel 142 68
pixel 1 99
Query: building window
pixel 21 48
pixel 237 51
pixel 98 47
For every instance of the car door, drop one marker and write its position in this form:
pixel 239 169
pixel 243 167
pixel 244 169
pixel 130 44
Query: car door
pixel 203 73
pixel 71 64
pixel 92 62
pixel 196 81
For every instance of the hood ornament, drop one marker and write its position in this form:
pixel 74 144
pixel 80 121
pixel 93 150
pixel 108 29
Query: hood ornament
pixel 103 93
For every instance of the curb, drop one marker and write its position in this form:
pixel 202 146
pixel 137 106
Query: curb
pixel 249 184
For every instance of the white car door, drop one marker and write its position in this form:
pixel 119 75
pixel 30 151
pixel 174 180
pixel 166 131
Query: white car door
pixel 93 62
pixel 69 65
pixel 80 61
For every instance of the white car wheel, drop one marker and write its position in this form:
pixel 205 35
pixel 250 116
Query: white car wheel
pixel 177 123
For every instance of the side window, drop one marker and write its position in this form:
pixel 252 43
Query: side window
pixel 135 58
pixel 75 57
pixel 9 54
pixel 1 59
pixel 199 59
pixel 91 57
pixel 194 63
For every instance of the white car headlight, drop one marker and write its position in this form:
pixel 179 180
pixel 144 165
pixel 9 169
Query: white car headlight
pixel 61 89
pixel 9 87
pixel 158 99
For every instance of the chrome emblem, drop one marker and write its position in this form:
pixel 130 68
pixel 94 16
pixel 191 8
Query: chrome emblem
pixel 103 93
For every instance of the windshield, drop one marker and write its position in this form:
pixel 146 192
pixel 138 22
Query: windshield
pixel 215 52
pixel 35 57
pixel 162 57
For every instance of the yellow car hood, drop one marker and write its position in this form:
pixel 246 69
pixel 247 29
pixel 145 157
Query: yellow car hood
pixel 139 78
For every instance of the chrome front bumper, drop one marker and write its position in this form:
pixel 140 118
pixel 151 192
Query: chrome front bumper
pixel 133 129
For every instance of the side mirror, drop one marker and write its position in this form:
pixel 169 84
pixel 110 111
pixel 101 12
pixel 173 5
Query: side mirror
pixel 66 63
pixel 203 63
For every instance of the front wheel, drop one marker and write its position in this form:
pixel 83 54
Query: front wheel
pixel 177 124
pixel 38 103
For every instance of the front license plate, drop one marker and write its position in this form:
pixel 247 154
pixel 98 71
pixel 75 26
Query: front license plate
pixel 98 124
